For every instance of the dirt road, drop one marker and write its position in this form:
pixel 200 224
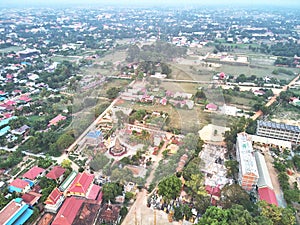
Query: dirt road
pixel 273 99
pixel 274 178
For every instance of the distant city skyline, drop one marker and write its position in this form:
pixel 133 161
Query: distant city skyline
pixel 25 3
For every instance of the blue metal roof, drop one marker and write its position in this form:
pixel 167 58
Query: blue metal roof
pixel 18 215
pixel 280 126
pixel 94 134
pixel 12 189
pixel 18 200
pixel 24 217
pixel 31 183
pixel 5 121
pixel 4 130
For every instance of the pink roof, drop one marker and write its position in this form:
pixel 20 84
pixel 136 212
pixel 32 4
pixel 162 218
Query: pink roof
pixel 53 197
pixel 7 115
pixel 33 172
pixel 56 172
pixel 81 183
pixel 56 119
pixel 2 92
pixel 267 195
pixel 94 191
pixel 68 211
pixel 222 75
pixel 10 103
pixel 25 98
pixel 19 183
pixel 215 191
pixel 211 106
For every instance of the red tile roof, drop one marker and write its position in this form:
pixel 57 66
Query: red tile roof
pixel 31 198
pixel 215 191
pixel 56 172
pixel 33 172
pixel 53 197
pixel 68 211
pixel 109 213
pixel 10 103
pixel 25 98
pixel 56 119
pixel 94 191
pixel 19 183
pixel 81 183
pixel 267 195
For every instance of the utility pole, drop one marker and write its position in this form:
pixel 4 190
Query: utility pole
pixel 154 214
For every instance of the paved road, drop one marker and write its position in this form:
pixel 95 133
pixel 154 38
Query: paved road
pixel 96 121
pixel 84 133
pixel 139 213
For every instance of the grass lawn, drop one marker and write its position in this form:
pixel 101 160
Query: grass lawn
pixel 180 87
pixel 113 56
pixel 34 118
pixel 11 49
pixel 98 70
pixel 186 120
pixel 287 113
pixel 260 71
pixel 191 72
pixel 118 83
pixel 59 58
pixel 239 101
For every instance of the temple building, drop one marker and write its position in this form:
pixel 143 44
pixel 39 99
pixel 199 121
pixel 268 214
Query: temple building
pixel 117 149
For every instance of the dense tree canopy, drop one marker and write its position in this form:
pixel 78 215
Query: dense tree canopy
pixel 169 187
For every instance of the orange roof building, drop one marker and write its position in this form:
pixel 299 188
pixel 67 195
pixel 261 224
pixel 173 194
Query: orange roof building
pixel 54 201
pixel 81 184
pixel 56 120
pixel 68 211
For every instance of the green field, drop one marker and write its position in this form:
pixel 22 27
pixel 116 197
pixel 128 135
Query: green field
pixel 259 71
pixel 180 87
pixel 11 49
pixel 181 119
pixel 60 58
pixel 191 72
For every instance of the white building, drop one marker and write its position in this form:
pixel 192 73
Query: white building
pixel 248 172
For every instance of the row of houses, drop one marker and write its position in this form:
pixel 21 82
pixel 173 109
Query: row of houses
pixel 177 99
pixel 66 201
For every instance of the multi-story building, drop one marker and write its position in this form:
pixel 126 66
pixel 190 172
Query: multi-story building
pixel 248 172
pixel 279 131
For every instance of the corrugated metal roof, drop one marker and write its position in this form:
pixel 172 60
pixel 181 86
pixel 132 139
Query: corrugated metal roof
pixel 267 195
pixel 280 126
pixel 264 179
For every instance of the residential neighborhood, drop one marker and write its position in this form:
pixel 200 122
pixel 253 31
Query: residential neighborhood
pixel 122 115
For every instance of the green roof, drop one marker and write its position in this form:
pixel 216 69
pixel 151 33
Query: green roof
pixel 68 181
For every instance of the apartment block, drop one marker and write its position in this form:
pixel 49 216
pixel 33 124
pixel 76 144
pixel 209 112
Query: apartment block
pixel 278 131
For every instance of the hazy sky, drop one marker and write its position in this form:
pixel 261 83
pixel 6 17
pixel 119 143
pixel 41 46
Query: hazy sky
pixel 150 2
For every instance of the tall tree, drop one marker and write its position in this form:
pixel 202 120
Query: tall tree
pixel 169 187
